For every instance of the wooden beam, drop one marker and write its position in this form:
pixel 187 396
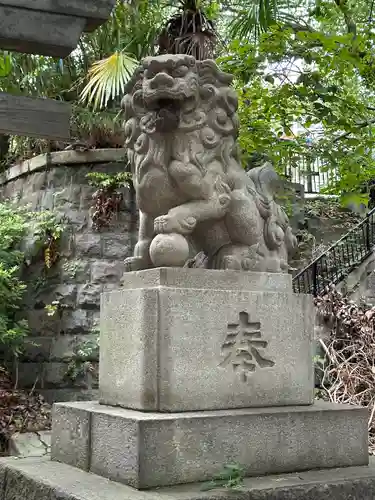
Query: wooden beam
pixel 34 117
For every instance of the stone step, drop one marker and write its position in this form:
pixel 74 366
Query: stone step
pixel 146 449
pixel 30 444
pixel 42 479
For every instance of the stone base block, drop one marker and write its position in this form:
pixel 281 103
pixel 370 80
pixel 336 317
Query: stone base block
pixel 31 479
pixel 146 450
pixel 195 339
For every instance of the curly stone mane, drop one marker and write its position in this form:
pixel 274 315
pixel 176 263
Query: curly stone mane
pixel 181 127
pixel 209 117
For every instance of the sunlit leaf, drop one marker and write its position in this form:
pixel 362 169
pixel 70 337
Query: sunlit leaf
pixel 107 79
pixel 5 64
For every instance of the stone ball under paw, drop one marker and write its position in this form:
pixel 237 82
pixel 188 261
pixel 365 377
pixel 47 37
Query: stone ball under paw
pixel 169 250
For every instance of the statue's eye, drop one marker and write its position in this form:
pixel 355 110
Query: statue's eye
pixel 181 71
pixel 148 74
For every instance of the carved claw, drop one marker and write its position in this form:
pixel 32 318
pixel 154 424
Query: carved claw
pixel 222 191
pixel 174 224
pixel 200 261
pixel 135 264
pixel 231 263
pixel 221 187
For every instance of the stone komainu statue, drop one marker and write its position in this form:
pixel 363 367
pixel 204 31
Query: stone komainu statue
pixel 193 195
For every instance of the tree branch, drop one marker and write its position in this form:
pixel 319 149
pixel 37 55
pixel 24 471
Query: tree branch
pixel 360 125
pixel 298 27
pixel 371 13
pixel 349 21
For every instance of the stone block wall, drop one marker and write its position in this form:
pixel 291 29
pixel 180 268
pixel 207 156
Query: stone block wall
pixel 89 263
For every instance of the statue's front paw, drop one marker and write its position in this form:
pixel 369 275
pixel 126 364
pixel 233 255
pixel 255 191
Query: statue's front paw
pixel 174 224
pixel 135 264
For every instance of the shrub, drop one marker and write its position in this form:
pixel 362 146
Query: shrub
pixel 16 225
pixel 347 372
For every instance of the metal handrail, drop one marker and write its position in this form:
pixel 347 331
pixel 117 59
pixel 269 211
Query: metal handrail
pixel 333 265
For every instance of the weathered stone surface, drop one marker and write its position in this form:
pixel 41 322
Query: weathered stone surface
pixel 89 296
pixel 76 219
pixel 185 349
pixel 105 432
pixel 41 324
pixel 28 374
pixel 32 201
pixel 71 435
pixel 44 480
pixel 48 181
pixel 106 271
pixel 95 319
pixel 37 165
pixel 39 180
pixel 63 24
pixel 88 244
pixel 66 294
pixel 54 178
pixel 145 449
pixel 26 36
pixel 116 246
pixel 208 279
pixel 37 348
pixel 124 221
pixel 67 246
pixel 54 374
pixel 62 347
pixel 33 117
pixel 70 194
pixel 109 287
pixel 78 321
pixel 95 13
pixel 63 394
pixel 75 270
pixel 229 216
pixel 51 372
pixel 47 199
pixel 30 444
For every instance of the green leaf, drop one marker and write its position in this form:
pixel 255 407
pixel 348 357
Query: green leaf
pixel 107 79
pixel 5 64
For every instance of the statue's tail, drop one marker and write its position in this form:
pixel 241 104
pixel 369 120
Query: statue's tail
pixel 266 180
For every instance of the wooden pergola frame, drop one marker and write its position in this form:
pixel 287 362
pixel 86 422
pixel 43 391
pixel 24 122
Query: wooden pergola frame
pixel 51 28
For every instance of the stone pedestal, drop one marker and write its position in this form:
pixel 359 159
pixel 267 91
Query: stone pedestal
pixel 200 369
pixel 193 339
pixel 147 449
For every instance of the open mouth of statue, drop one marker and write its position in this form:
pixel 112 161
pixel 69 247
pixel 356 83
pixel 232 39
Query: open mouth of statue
pixel 166 103
pixel 163 99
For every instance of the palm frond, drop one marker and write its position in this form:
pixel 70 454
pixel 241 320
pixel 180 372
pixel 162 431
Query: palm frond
pixel 107 79
pixel 253 17
pixel 189 31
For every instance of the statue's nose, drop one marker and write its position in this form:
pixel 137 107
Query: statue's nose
pixel 161 80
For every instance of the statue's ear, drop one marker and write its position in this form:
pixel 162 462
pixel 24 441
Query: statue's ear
pixel 209 73
pixel 135 81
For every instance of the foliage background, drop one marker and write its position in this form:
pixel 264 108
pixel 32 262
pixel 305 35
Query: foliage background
pixel 23 235
pixel 304 70
pixel 305 75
